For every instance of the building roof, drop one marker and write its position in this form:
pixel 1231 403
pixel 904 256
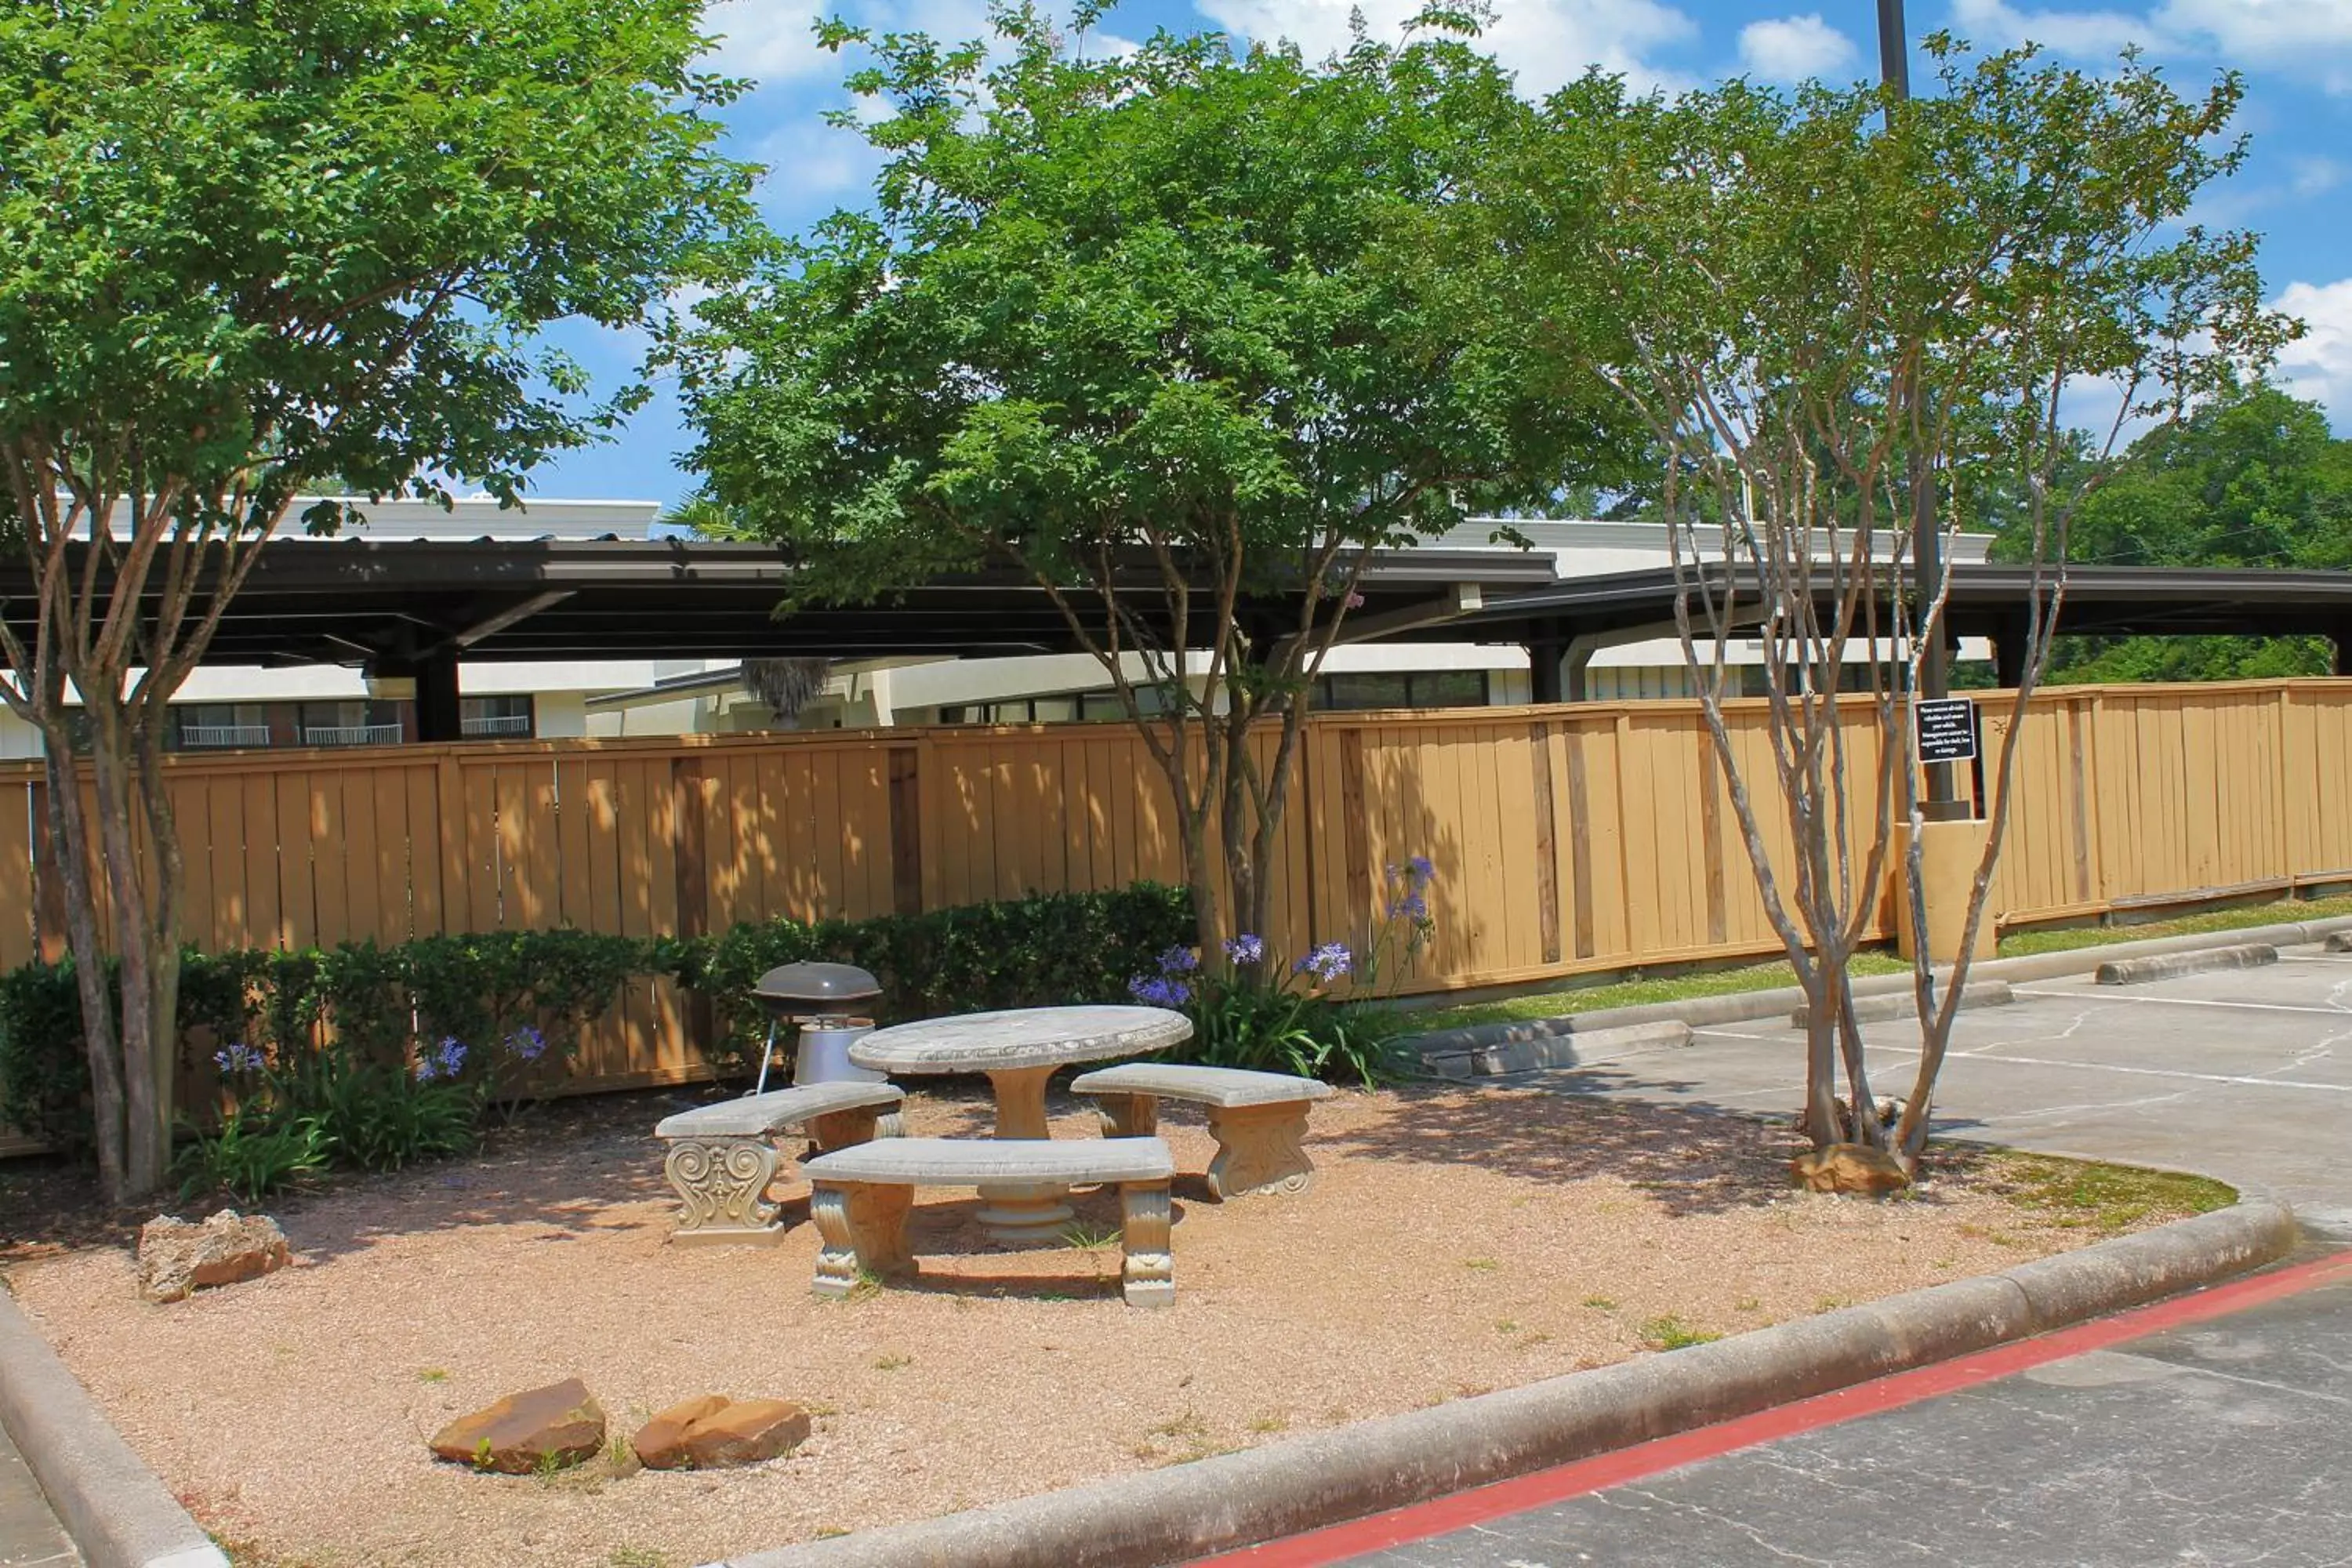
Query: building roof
pixel 361 601
pixel 474 517
pixel 1985 600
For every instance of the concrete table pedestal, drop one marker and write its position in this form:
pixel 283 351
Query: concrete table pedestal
pixel 1023 1215
pixel 1018 1050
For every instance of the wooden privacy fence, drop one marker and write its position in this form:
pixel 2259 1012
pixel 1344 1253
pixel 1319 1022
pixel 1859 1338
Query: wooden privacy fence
pixel 1589 836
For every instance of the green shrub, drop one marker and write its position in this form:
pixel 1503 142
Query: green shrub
pixel 44 1066
pixel 339 1034
pixel 1261 1014
pixel 1017 952
pixel 1271 1029
pixel 381 1117
pixel 254 1153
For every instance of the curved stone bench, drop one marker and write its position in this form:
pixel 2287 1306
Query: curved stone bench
pixel 1256 1117
pixel 860 1196
pixel 723 1157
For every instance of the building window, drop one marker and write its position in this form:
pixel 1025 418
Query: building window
pixel 357 722
pixel 1402 689
pixel 1062 707
pixel 496 717
pixel 218 726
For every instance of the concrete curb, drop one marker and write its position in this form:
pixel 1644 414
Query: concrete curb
pixel 1233 1499
pixel 1744 1007
pixel 2172 965
pixel 1905 1004
pixel 1566 1048
pixel 116 1509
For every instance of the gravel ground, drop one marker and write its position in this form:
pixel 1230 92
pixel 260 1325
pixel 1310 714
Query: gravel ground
pixel 1455 1241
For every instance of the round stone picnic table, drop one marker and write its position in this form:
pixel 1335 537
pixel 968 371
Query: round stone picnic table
pixel 1019 1049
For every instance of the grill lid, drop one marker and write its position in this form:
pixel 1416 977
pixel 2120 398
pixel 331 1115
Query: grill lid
pixel 817 986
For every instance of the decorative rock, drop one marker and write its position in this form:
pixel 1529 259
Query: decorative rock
pixel 177 1259
pixel 1850 1168
pixel 559 1425
pixel 660 1443
pixel 715 1433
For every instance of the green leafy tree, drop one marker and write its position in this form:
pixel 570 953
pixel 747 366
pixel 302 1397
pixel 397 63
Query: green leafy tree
pixel 1150 331
pixel 2253 477
pixel 1843 314
pixel 247 244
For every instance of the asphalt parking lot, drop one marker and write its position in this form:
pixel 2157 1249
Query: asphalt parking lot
pixel 2218 1443
pixel 2243 1074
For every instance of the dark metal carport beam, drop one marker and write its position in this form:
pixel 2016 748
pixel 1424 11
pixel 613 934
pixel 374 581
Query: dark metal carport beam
pixel 512 614
pixel 1461 599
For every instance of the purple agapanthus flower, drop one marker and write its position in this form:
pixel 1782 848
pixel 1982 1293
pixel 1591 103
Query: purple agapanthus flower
pixel 239 1057
pixel 1411 907
pixel 527 1043
pixel 444 1060
pixel 1245 948
pixel 1421 868
pixel 1327 963
pixel 1159 990
pixel 1179 961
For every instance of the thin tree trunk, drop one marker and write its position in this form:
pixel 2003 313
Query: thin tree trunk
pixel 1201 871
pixel 1865 1129
pixel 147 1093
pixel 163 928
pixel 1821 1060
pixel 70 849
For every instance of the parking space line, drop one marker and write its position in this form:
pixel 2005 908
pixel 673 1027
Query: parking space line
pixel 2182 1002
pixel 2245 1079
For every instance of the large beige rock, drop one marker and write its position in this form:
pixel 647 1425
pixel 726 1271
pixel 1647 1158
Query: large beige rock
pixel 177 1259
pixel 1850 1168
pixel 715 1432
pixel 559 1425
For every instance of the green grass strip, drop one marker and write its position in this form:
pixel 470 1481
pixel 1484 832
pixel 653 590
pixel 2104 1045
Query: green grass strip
pixel 1775 974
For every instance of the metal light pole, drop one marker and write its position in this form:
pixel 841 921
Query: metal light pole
pixel 1893 48
pixel 1926 542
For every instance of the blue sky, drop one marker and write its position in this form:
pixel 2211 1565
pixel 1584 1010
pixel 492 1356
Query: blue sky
pixel 2296 55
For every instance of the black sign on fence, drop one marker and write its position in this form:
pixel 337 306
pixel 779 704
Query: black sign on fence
pixel 1947 728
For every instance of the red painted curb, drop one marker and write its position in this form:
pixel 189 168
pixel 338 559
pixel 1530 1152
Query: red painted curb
pixel 1419 1521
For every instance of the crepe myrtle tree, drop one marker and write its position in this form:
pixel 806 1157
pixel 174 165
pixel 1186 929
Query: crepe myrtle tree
pixel 246 245
pixel 1155 332
pixel 1845 317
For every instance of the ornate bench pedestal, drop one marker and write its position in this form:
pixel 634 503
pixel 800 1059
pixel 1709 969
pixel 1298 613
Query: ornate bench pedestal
pixel 860 1197
pixel 1258 1119
pixel 723 1157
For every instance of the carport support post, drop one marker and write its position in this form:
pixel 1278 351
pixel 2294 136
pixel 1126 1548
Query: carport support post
pixel 2009 653
pixel 439 711
pixel 1544 655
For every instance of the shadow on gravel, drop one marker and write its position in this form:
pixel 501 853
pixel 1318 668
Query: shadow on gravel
pixel 1692 1159
pixel 563 1169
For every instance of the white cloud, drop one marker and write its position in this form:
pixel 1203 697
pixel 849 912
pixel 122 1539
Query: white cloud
pixel 763 40
pixel 2264 29
pixel 808 157
pixel 2311 177
pixel 1546 42
pixel 774 42
pixel 1996 22
pixel 1795 48
pixel 2319 365
pixel 2311 36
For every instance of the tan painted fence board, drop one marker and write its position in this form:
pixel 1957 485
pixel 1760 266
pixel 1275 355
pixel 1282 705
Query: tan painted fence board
pixel 1565 838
